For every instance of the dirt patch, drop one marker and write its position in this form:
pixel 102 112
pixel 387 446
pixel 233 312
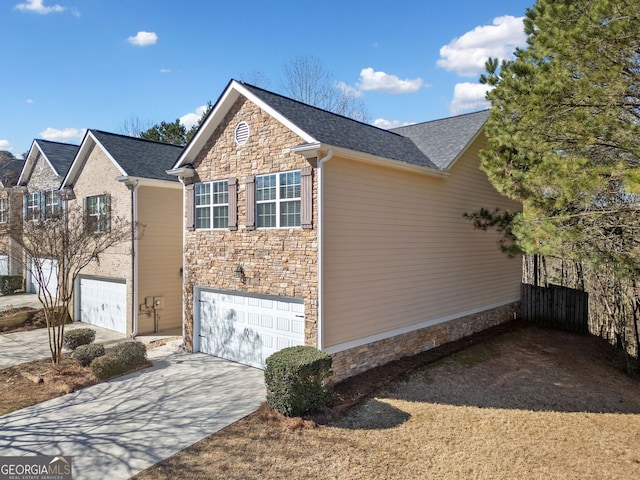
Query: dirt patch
pixel 528 403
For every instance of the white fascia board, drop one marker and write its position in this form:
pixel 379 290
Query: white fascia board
pixel 317 150
pixel 223 105
pixel 150 182
pixel 466 147
pixel 28 163
pixel 81 157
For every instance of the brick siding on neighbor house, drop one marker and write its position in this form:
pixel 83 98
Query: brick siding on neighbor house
pixel 359 359
pixel 280 262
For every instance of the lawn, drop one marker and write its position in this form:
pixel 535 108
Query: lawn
pixel 530 403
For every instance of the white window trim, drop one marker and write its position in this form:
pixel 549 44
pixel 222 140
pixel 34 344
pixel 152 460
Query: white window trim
pixel 33 206
pixel 211 206
pixel 102 212
pixel 278 201
pixel 52 208
pixel 4 210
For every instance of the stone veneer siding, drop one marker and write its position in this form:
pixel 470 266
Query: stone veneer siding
pixel 280 262
pixel 357 360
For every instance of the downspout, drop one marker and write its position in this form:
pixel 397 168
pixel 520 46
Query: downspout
pixel 133 188
pixel 321 162
pixel 184 242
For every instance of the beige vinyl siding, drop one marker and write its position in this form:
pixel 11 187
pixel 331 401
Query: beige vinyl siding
pixel 160 255
pixel 398 251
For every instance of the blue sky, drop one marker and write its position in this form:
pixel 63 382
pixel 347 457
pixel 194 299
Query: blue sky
pixel 69 65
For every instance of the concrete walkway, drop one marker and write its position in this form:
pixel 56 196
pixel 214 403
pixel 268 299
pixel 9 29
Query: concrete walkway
pixel 116 429
pixel 21 347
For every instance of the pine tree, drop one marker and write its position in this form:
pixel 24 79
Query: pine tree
pixel 564 132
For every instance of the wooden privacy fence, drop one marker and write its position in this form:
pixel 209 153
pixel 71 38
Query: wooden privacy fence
pixel 556 307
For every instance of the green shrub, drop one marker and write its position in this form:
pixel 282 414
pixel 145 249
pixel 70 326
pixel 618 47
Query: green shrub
pixel 10 283
pixel 85 354
pixel 132 354
pixel 107 366
pixel 297 380
pixel 72 339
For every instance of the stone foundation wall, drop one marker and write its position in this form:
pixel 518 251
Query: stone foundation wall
pixel 357 360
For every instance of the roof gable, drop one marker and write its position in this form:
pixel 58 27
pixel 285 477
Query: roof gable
pixel 133 157
pixel 58 156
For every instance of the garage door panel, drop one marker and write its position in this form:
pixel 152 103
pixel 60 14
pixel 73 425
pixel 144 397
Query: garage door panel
pixel 104 303
pixel 248 329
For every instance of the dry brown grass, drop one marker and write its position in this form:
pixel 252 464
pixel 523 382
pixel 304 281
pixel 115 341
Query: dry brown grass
pixel 529 404
pixel 35 382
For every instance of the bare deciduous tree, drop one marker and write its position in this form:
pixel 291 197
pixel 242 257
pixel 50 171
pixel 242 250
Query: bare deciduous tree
pixel 60 246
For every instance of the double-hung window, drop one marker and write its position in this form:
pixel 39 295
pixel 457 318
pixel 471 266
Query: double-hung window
pixel 33 206
pixel 212 204
pixel 4 210
pixel 278 200
pixel 97 210
pixel 52 203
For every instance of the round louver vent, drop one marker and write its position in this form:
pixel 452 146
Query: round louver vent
pixel 241 133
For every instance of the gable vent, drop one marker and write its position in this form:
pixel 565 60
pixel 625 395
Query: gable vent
pixel 241 133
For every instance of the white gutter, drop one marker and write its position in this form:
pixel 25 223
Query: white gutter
pixel 321 162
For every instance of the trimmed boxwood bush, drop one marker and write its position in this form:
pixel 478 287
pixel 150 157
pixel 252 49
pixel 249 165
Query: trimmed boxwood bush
pixel 122 358
pixel 106 367
pixel 85 354
pixel 72 339
pixel 297 380
pixel 131 353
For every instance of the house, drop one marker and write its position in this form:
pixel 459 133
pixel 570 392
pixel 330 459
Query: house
pixel 46 165
pixel 10 209
pixel 136 287
pixel 306 227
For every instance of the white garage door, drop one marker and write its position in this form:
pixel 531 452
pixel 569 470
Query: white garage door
pixel 103 303
pixel 247 329
pixel 49 275
pixel 4 265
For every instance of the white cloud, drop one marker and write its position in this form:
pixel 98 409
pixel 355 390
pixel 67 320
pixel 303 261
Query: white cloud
pixel 143 39
pixel 469 97
pixel 37 6
pixel 383 82
pixel 5 145
pixel 30 101
pixel 191 119
pixel 387 124
pixel 467 55
pixel 62 135
pixel 348 90
pixel 165 70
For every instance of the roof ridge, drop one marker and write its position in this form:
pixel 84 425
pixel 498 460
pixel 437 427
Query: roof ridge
pixel 130 137
pixel 444 118
pixel 56 142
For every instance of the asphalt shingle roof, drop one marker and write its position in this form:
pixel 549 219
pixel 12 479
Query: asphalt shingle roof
pixel 60 155
pixel 339 131
pixel 139 157
pixel 443 140
pixel 435 144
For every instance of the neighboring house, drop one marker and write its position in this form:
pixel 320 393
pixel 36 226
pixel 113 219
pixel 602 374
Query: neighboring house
pixel 306 227
pixel 10 214
pixel 136 287
pixel 46 165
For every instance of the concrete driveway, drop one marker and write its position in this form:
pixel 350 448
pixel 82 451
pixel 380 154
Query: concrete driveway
pixel 115 429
